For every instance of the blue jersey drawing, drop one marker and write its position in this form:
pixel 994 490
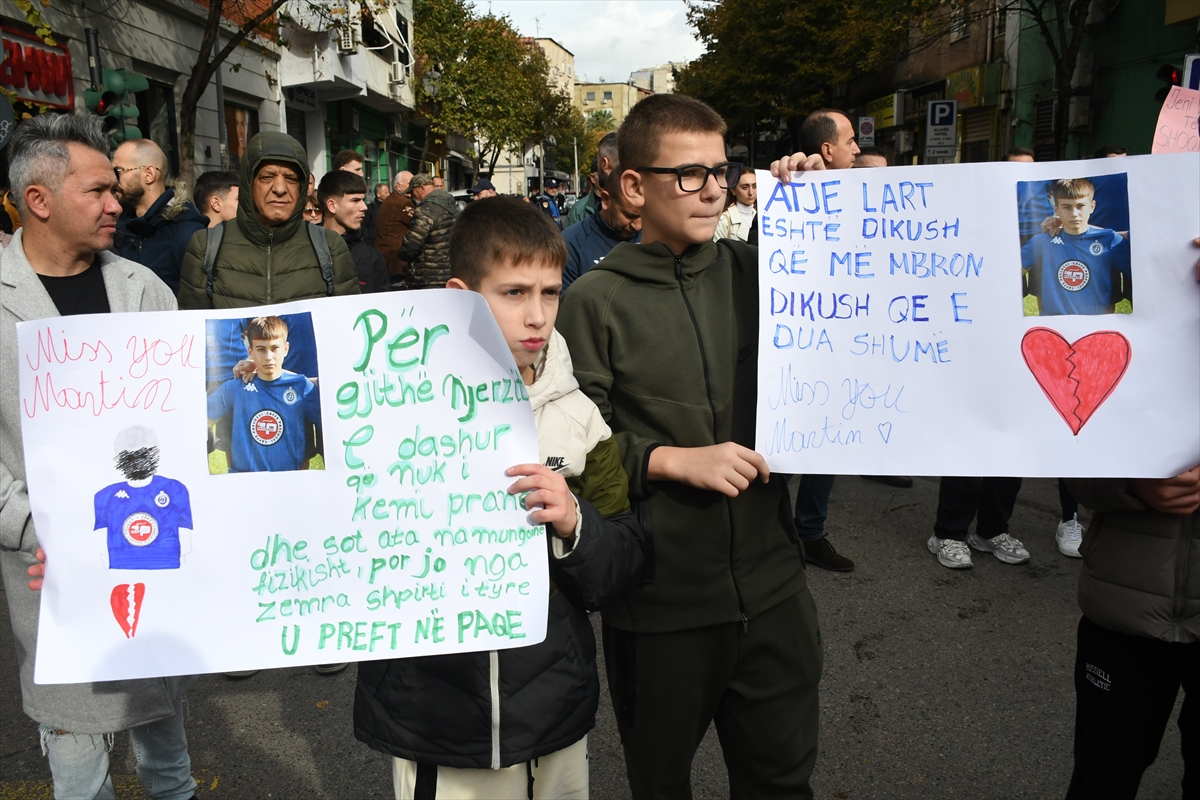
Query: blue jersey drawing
pixel 143 522
pixel 269 420
pixel 1076 274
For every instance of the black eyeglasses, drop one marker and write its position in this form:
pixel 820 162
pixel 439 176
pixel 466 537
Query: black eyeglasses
pixel 692 177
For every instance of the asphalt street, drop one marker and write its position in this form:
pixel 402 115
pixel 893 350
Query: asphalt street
pixel 938 684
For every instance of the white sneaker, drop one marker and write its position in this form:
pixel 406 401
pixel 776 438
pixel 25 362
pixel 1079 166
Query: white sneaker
pixel 950 552
pixel 1003 547
pixel 1069 536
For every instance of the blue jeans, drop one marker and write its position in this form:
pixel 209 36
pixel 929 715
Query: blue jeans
pixel 812 506
pixel 79 761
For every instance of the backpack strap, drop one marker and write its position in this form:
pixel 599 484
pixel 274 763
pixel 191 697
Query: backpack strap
pixel 212 244
pixel 316 234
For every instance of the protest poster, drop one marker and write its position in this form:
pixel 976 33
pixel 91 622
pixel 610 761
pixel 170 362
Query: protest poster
pixel 941 320
pixel 1176 130
pixel 345 502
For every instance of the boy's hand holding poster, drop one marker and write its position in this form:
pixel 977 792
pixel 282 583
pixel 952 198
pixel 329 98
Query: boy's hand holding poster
pixel 982 319
pixel 218 492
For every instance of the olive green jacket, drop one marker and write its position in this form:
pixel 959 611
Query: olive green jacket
pixel 258 265
pixel 667 349
pixel 1141 567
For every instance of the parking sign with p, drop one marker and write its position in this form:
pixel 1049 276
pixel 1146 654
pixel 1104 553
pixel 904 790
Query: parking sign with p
pixel 941 129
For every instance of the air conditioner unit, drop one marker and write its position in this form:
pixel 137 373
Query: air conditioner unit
pixel 399 72
pixel 1079 113
pixel 1085 69
pixel 347 40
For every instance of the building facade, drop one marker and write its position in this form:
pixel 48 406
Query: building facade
pixel 352 90
pixel 659 79
pixel 157 39
pixel 616 98
pixel 995 62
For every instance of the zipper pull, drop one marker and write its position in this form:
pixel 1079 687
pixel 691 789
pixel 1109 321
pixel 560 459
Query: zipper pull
pixel 745 623
pixel 679 268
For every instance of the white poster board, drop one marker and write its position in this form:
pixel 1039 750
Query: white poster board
pixel 894 337
pixel 390 535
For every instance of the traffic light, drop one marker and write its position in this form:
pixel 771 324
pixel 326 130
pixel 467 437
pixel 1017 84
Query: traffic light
pixel 1170 75
pixel 116 103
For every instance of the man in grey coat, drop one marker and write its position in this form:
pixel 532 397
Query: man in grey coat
pixel 58 264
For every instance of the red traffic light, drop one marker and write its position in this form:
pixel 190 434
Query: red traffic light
pixel 1170 74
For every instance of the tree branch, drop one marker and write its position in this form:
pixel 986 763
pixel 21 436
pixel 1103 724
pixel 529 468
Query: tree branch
pixel 1036 12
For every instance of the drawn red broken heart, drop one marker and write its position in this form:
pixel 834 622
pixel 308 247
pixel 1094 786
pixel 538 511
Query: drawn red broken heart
pixel 126 602
pixel 1077 377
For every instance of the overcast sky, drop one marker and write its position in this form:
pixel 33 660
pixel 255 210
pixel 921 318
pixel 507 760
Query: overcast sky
pixel 609 38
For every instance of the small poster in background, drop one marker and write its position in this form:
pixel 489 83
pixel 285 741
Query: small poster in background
pixel 1176 131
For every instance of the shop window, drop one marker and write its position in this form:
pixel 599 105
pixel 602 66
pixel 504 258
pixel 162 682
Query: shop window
pixel 241 125
pixel 156 119
pixel 297 126
pixel 974 152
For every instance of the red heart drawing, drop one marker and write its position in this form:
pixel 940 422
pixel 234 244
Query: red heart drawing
pixel 1079 376
pixel 126 602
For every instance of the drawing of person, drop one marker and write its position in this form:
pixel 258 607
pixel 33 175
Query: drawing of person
pixel 143 513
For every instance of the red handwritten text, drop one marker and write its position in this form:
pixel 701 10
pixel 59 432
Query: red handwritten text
pixel 105 396
pixel 158 353
pixel 60 351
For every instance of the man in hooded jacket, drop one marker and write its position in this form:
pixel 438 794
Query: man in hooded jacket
pixel 266 254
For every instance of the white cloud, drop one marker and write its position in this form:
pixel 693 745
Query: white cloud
pixel 609 38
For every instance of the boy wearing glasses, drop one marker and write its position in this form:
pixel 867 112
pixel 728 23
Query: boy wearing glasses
pixel 664 340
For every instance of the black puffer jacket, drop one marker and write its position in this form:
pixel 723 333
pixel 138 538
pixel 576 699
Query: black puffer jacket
pixel 427 243
pixel 439 709
pixel 372 269
pixel 158 239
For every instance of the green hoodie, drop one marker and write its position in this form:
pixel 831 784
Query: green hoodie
pixel 258 265
pixel 667 348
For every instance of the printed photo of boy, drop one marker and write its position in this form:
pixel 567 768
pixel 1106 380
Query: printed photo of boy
pixel 1073 266
pixel 274 415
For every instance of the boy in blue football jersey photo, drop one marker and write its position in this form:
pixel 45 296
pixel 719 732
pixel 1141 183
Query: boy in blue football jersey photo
pixel 271 407
pixel 1074 267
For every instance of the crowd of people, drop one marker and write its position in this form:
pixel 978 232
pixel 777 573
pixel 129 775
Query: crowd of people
pixel 663 518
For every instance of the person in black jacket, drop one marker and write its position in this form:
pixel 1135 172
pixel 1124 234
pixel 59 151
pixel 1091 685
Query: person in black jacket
pixel 156 222
pixel 513 723
pixel 340 195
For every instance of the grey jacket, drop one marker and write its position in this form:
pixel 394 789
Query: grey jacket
pixel 76 707
pixel 1141 568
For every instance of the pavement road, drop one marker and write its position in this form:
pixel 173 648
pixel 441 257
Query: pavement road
pixel 938 684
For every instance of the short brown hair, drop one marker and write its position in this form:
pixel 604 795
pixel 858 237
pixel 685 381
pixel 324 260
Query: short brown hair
pixel 640 135
pixel 261 329
pixel 502 230
pixel 1072 188
pixel 345 157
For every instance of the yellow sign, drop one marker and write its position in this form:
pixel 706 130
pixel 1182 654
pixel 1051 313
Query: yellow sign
pixel 883 110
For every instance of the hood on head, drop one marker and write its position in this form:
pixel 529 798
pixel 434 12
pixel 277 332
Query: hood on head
pixel 270 146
